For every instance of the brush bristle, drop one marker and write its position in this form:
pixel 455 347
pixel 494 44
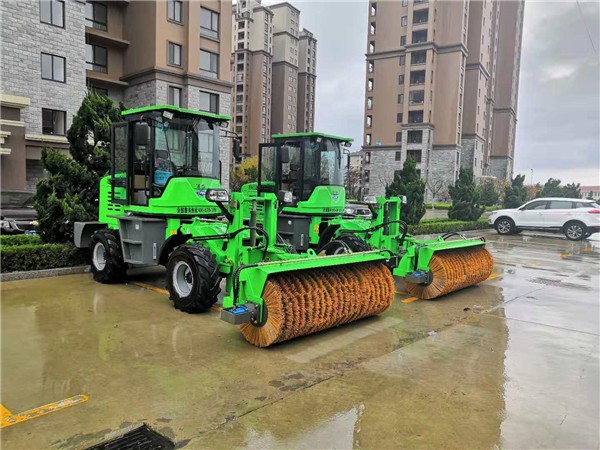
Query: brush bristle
pixel 304 302
pixel 453 270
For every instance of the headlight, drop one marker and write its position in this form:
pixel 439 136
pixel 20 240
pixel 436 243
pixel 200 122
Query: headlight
pixel 348 211
pixel 285 197
pixel 217 195
pixel 369 199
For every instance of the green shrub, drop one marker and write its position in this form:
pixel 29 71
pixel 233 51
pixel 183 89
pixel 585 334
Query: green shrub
pixel 19 239
pixel 465 197
pixel 438 205
pixel 447 227
pixel 16 258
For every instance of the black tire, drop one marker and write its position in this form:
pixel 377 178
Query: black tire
pixel 588 234
pixel 504 226
pixel 353 242
pixel 107 263
pixel 193 278
pixel 575 230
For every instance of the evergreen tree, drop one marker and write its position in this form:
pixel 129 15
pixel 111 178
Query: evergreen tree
pixel 489 194
pixel 552 188
pixel 465 198
pixel 409 183
pixel 70 193
pixel 515 194
pixel 572 190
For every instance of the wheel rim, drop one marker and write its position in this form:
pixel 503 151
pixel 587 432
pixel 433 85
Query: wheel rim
pixel 504 226
pixel 99 256
pixel 574 231
pixel 183 279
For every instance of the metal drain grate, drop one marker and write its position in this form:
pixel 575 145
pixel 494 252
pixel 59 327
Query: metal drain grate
pixel 140 438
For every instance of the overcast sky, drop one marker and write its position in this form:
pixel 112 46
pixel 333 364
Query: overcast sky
pixel 558 112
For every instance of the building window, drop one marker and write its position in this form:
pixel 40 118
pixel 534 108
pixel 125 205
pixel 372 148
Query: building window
pixel 415 117
pixel 416 97
pixel 209 64
pixel 422 16
pixel 404 2
pixel 98 90
pixel 403 21
pixel 368 142
pixel 371 66
pixel 53 67
pixel 399 136
pixel 414 154
pixel 399 118
pixel 415 137
pixel 403 40
pixel 54 122
pixel 418 57
pixel 367 176
pixel 400 79
pixel 372 29
pixel 419 36
pixel 96 58
pixel 209 23
pixel 399 154
pixel 52 12
pixel 373 9
pixel 417 77
pixel 95 15
pixel 369 121
pixel 400 99
pixel 402 59
pixel 370 84
pixel 174 55
pixel 174 8
pixel 369 102
pixel 372 47
pixel 174 96
pixel 209 102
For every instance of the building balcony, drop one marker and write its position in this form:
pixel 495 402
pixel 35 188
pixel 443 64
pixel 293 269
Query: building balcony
pixel 96 36
pixel 104 79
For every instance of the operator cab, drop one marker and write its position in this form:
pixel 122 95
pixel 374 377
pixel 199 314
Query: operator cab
pixel 307 165
pixel 155 145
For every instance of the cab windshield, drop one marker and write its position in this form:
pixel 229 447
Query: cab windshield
pixel 185 147
pixel 322 164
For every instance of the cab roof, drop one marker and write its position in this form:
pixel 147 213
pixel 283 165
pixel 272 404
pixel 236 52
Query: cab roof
pixel 195 112
pixel 311 134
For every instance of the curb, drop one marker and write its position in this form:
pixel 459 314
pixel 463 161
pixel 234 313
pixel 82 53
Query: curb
pixel 46 273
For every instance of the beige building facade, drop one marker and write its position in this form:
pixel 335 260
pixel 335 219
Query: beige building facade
pixel 274 72
pixel 136 52
pixel 431 70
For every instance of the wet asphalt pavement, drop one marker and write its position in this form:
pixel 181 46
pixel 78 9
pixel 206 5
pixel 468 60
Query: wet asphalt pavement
pixel 512 362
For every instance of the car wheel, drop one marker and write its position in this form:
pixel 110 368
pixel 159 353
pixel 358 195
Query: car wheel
pixel 575 231
pixel 504 226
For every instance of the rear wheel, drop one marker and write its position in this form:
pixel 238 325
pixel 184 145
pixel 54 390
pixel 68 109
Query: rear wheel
pixel 504 226
pixel 193 278
pixel 107 259
pixel 354 243
pixel 575 231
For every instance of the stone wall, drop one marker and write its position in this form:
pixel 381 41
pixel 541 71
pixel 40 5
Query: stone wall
pixel 24 37
pixel 472 155
pixel 501 167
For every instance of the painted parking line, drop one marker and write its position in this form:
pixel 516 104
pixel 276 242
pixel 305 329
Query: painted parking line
pixel 8 419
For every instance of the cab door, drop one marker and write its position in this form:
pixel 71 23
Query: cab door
pixel 119 173
pixel 268 170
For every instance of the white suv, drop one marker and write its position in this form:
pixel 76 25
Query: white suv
pixel 575 217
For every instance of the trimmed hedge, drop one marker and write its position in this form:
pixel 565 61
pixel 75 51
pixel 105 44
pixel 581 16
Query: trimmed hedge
pixel 16 258
pixel 438 205
pixel 449 226
pixel 19 239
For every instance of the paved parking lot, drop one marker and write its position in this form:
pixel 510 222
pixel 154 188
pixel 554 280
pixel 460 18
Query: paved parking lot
pixel 512 362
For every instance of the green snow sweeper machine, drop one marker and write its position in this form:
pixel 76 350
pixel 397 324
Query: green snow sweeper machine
pixel 163 204
pixel 305 171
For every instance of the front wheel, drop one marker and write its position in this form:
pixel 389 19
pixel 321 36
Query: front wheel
pixel 193 278
pixel 575 231
pixel 107 259
pixel 504 226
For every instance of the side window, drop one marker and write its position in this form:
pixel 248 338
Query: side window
pixel 119 163
pixel 535 205
pixel 560 204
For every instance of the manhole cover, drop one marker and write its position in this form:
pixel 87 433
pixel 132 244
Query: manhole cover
pixel 137 439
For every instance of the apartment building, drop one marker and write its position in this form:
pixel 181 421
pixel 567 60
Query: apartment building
pixel 274 72
pixel 432 71
pixel 136 52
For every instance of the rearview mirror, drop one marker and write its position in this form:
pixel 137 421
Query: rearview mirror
pixel 237 149
pixel 285 155
pixel 141 133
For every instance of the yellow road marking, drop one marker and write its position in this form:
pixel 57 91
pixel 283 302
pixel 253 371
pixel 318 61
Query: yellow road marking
pixel 401 292
pixel 9 419
pixel 410 299
pixel 150 286
pixel 493 276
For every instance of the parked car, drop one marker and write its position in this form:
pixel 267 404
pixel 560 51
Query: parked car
pixel 575 217
pixel 358 210
pixel 17 214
